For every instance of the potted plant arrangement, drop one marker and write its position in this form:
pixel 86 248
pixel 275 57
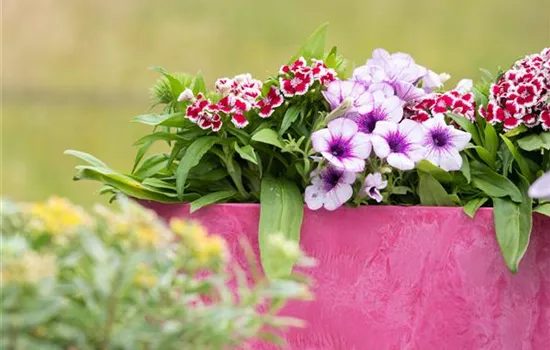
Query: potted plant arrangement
pixel 117 280
pixel 310 153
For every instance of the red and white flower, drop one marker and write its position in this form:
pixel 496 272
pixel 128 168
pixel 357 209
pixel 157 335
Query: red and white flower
pixel 452 101
pixel 298 77
pixel 272 100
pixel 298 84
pixel 204 114
pixel 521 94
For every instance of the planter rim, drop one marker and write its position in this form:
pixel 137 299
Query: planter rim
pixel 363 207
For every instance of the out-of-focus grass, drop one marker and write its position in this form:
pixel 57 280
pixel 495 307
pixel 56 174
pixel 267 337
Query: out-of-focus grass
pixel 74 72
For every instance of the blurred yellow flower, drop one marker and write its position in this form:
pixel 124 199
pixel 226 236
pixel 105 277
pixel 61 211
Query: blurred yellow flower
pixel 144 278
pixel 58 217
pixel 31 268
pixel 205 248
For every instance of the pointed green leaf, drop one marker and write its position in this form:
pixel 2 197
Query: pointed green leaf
pixel 211 198
pixel 268 136
pixel 191 158
pixel 535 142
pixel 431 192
pixel 198 84
pixel 520 159
pixel 175 85
pixel 513 225
pixel 472 206
pixel 491 140
pixel 159 136
pixel 290 117
pixel 438 173
pixel 157 119
pixel 247 153
pixel 282 210
pixel 492 183
pixel 465 169
pixel 151 166
pixel 314 46
pixel 88 158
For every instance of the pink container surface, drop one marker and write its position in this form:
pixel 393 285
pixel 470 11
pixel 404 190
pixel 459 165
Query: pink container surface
pixel 405 278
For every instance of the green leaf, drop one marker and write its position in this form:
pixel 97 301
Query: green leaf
pixel 282 210
pixel 191 158
pixel 491 140
pixel 438 173
pixel 486 156
pixel 153 119
pixel 159 136
pixel 523 166
pixel 88 158
pixel 211 198
pixel 513 224
pixel 290 117
pixel 431 192
pixel 175 85
pixel 151 166
pixel 543 209
pixel 401 190
pixel 493 184
pixel 246 153
pixel 124 183
pixel 314 46
pixel 198 84
pixel 467 126
pixel 535 142
pixel 472 206
pixel 268 136
pixel 516 131
pixel 141 152
pixel 465 169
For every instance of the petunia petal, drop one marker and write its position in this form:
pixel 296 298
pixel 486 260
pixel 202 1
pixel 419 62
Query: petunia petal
pixel 320 140
pixel 415 131
pixel 400 161
pixel 342 128
pixel 541 187
pixel 380 146
pixel 336 197
pixel 361 145
pixel 450 160
pixel 314 197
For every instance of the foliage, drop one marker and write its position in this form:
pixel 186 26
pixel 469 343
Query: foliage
pixel 387 132
pixel 124 280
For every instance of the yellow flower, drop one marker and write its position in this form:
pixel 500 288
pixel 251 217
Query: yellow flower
pixel 58 217
pixel 204 248
pixel 31 268
pixel 144 278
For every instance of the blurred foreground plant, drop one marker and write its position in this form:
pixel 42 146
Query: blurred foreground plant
pixel 124 280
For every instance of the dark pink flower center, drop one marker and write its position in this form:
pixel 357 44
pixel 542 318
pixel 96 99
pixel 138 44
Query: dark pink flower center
pixel 440 137
pixel 397 142
pixel 331 178
pixel 340 148
pixel 367 122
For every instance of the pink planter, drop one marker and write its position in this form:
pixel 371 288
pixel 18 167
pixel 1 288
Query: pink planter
pixel 406 278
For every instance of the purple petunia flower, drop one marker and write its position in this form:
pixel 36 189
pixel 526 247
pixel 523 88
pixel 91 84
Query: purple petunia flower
pixel 442 143
pixel 338 91
pixel 401 73
pixel 385 106
pixel 330 188
pixel 399 143
pixel 372 186
pixel 541 187
pixel 342 145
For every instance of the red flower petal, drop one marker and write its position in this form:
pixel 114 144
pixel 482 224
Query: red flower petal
pixel 239 120
pixel 511 123
pixel 545 119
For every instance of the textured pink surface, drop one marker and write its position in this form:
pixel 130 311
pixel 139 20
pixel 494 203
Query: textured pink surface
pixel 406 278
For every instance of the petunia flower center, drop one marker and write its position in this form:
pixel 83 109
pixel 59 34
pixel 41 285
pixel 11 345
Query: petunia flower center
pixel 367 122
pixel 440 137
pixel 397 142
pixel 331 179
pixel 340 148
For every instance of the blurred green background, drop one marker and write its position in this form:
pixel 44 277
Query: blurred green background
pixel 75 72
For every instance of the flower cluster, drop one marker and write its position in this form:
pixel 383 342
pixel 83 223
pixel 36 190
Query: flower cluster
pixel 521 95
pixel 458 101
pixel 298 77
pixel 377 95
pixel 243 94
pixel 399 71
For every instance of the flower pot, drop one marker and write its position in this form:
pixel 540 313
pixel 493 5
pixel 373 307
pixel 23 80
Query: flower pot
pixel 405 278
